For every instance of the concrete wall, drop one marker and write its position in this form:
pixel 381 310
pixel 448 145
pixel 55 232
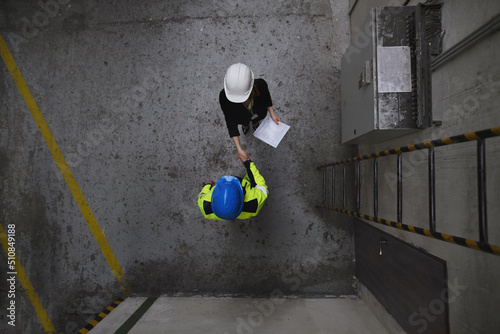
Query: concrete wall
pixel 465 97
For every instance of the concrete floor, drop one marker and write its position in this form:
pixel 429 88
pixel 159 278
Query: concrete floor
pixel 240 315
pixel 130 93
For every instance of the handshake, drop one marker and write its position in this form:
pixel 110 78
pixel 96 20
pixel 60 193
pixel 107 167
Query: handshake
pixel 243 155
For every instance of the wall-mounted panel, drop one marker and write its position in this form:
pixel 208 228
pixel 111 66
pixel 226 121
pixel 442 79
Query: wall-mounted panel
pixel 410 283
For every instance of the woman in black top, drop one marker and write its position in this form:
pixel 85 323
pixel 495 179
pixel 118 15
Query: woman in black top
pixel 244 99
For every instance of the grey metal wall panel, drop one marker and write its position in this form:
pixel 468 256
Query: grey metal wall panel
pixel 379 91
pixel 358 109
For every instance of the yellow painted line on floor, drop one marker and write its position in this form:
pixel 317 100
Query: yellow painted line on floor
pixel 63 166
pixel 26 284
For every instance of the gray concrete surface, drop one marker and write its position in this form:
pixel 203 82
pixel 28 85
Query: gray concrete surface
pixel 390 325
pixel 117 317
pixel 243 315
pixel 130 90
pixel 465 95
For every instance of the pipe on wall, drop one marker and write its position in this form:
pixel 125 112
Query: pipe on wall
pixel 488 28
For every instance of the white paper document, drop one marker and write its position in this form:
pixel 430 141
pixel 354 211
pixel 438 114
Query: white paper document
pixel 270 133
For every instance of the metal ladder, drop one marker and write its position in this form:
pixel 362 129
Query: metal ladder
pixel 479 136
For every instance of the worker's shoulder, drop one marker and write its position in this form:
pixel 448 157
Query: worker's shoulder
pixel 260 82
pixel 222 94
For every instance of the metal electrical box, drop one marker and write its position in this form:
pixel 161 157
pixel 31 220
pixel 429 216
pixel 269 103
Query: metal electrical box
pixel 385 77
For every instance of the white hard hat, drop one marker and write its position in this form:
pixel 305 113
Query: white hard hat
pixel 238 82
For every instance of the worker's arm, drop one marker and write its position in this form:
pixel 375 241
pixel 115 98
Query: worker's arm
pixel 256 191
pixel 236 140
pixel 275 118
pixel 204 201
pixel 232 126
pixel 229 115
pixel 256 180
pixel 203 194
pixel 253 173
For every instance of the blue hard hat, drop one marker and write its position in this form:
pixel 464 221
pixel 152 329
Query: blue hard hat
pixel 227 198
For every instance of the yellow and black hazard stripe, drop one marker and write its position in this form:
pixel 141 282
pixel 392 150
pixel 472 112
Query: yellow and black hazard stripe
pixel 101 316
pixel 471 136
pixel 477 245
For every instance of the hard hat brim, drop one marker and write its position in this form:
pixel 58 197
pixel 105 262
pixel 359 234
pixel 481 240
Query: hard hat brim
pixel 236 98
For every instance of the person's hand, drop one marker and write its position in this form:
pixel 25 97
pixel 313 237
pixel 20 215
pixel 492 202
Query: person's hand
pixel 243 157
pixel 276 119
pixel 242 152
pixel 211 182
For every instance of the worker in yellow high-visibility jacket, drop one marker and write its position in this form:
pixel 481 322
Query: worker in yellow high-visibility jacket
pixel 231 198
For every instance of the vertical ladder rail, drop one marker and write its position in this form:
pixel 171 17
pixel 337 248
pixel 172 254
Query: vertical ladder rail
pixel 400 188
pixel 481 190
pixel 333 185
pixel 324 186
pixel 358 187
pixel 375 187
pixel 345 187
pixel 432 191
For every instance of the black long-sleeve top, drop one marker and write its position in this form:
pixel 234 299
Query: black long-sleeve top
pixel 237 113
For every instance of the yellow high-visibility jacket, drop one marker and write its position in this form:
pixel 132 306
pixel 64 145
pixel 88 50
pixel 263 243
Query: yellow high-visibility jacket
pixel 254 188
